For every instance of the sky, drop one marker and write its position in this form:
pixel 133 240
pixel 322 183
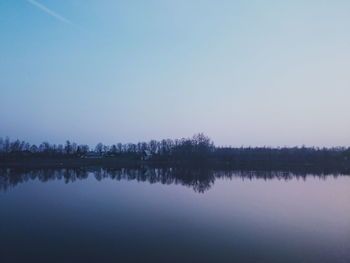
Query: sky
pixel 252 73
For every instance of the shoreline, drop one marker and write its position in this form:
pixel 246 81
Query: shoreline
pixel 110 162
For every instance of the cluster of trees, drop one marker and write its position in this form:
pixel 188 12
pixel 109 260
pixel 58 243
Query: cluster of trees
pixel 19 148
pixel 197 148
pixel 284 155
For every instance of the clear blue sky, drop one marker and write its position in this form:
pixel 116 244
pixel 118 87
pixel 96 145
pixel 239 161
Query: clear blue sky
pixel 243 72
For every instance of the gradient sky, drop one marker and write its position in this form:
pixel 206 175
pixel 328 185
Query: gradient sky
pixel 243 72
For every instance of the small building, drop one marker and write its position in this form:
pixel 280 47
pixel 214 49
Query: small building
pixel 146 155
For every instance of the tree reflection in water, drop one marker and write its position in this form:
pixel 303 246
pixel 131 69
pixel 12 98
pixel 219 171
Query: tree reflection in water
pixel 199 179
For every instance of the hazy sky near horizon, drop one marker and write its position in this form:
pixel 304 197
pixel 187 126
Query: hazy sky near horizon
pixel 243 72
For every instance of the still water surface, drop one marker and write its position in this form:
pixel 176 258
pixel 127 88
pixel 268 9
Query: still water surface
pixel 167 215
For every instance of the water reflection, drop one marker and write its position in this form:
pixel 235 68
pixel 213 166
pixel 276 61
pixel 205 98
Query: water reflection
pixel 200 180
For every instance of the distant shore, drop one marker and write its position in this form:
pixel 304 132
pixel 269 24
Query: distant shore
pixel 198 151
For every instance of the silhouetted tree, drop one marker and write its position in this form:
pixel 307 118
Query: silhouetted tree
pixel 68 147
pixel 99 148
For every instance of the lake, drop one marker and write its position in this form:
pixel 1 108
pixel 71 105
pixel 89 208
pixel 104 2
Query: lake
pixel 173 215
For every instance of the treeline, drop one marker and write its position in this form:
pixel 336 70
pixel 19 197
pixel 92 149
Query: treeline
pixel 199 148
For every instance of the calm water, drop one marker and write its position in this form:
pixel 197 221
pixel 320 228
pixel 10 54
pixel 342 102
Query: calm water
pixel 167 215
